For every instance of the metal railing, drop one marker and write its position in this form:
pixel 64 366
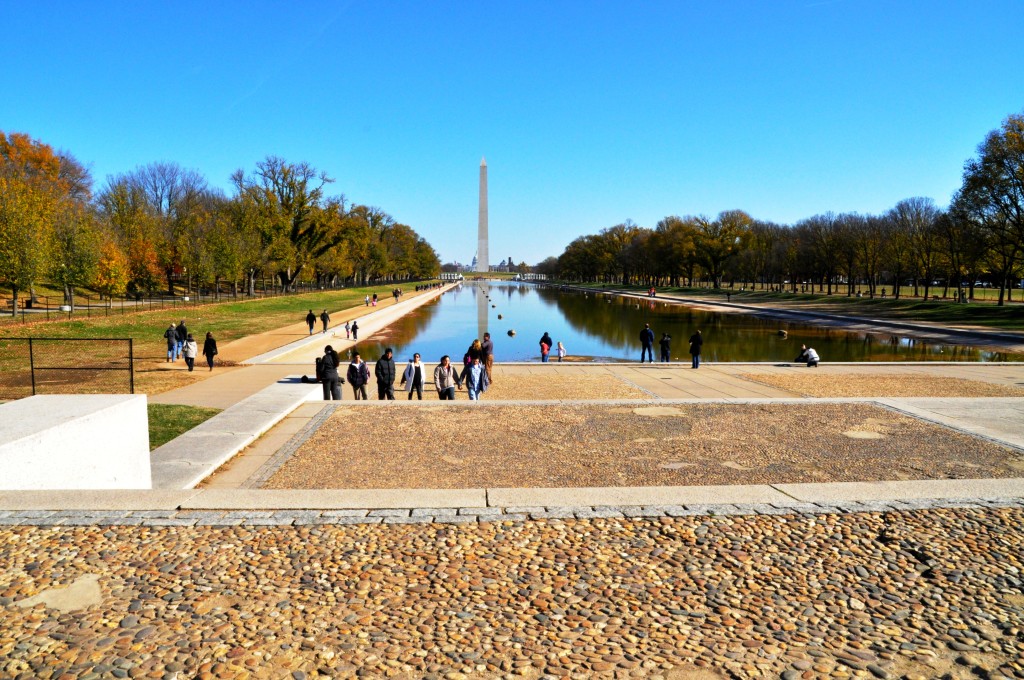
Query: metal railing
pixel 30 366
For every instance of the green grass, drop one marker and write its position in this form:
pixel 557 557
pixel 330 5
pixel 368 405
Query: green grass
pixel 168 421
pixel 1008 317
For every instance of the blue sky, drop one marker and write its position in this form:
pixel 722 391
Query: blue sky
pixel 589 113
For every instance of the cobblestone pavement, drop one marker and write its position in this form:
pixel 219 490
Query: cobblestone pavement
pixel 815 592
pixel 581 445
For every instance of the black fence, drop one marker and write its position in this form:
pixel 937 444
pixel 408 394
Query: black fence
pixel 66 366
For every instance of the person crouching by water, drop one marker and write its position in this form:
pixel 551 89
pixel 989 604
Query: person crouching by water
pixel 446 379
pixel 809 355
pixel 474 377
pixel 329 363
pixel 413 377
pixel 358 376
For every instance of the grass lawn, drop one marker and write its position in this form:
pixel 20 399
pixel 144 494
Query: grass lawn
pixel 987 314
pixel 167 421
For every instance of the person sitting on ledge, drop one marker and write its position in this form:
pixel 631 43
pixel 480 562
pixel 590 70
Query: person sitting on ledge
pixel 809 355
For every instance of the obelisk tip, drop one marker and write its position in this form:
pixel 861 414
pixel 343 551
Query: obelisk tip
pixel 483 162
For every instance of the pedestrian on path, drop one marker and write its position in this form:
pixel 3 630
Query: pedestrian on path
pixel 560 351
pixel 311 321
pixel 374 302
pixel 366 300
pixel 385 374
pixel 355 330
pixel 696 346
pixel 190 350
pixel 474 377
pixel 446 379
pixel 487 355
pixel 328 374
pixel 358 376
pixel 182 334
pixel 325 318
pixel 666 347
pixel 348 330
pixel 413 377
pixel 172 341
pixel 209 349
pixel 647 344
pixel 545 346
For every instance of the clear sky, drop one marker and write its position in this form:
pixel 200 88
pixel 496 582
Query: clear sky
pixel 589 113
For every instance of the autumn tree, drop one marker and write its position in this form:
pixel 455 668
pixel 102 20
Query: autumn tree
pixel 718 241
pixel 75 250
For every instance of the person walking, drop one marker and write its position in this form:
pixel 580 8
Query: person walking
pixel 325 318
pixel 209 349
pixel 696 344
pixel 475 351
pixel 329 374
pixel 560 351
pixel 647 344
pixel 487 355
pixel 348 330
pixel 358 376
pixel 374 300
pixel 171 336
pixel 311 321
pixel 413 377
pixel 474 377
pixel 384 371
pixel 666 347
pixel 366 300
pixel 181 333
pixel 446 379
pixel 545 346
pixel 355 330
pixel 190 351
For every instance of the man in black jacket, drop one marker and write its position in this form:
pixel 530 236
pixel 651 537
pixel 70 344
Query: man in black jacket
pixel 647 344
pixel 385 372
pixel 182 334
pixel 666 347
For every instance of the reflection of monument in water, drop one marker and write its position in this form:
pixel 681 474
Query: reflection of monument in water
pixel 481 311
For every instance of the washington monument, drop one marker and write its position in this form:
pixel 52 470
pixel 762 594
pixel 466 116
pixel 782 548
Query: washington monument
pixel 482 261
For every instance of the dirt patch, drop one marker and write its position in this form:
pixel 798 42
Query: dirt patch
pixel 824 384
pixel 597 445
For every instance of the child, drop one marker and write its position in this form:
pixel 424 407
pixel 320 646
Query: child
pixel 561 351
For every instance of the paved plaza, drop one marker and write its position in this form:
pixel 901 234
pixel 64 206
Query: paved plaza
pixel 607 520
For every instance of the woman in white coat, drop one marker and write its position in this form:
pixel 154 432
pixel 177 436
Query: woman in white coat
pixel 415 374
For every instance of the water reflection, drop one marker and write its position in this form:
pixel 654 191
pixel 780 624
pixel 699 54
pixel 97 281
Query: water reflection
pixel 605 327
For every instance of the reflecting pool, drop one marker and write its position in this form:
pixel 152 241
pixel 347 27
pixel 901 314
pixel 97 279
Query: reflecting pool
pixel 598 327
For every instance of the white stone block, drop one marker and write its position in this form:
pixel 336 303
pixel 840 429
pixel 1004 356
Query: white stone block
pixel 81 441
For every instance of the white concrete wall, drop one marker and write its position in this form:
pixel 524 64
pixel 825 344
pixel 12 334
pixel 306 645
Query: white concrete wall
pixel 81 441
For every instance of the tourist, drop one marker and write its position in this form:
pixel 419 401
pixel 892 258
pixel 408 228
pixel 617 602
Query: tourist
pixel 385 374
pixel 647 344
pixel 487 356
pixel 358 375
pixel 172 341
pixel 413 377
pixel 474 377
pixel 190 350
pixel 181 333
pixel 666 347
pixel 348 330
pixel 311 321
pixel 366 300
pixel 696 344
pixel 355 331
pixel 328 374
pixel 446 379
pixel 545 346
pixel 374 302
pixel 475 351
pixel 809 355
pixel 325 319
pixel 209 349
pixel 560 351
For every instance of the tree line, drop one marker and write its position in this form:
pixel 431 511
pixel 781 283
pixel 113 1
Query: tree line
pixel 979 236
pixel 145 230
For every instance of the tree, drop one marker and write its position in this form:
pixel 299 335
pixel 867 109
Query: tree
pixel 917 218
pixel 720 240
pixel 112 271
pixel 75 250
pixel 26 219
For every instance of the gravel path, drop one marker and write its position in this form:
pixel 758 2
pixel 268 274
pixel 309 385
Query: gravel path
pixel 542 387
pixel 823 384
pixel 604 445
pixel 917 594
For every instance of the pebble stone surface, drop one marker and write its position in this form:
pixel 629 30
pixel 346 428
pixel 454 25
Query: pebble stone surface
pixel 580 445
pixel 822 384
pixel 914 593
